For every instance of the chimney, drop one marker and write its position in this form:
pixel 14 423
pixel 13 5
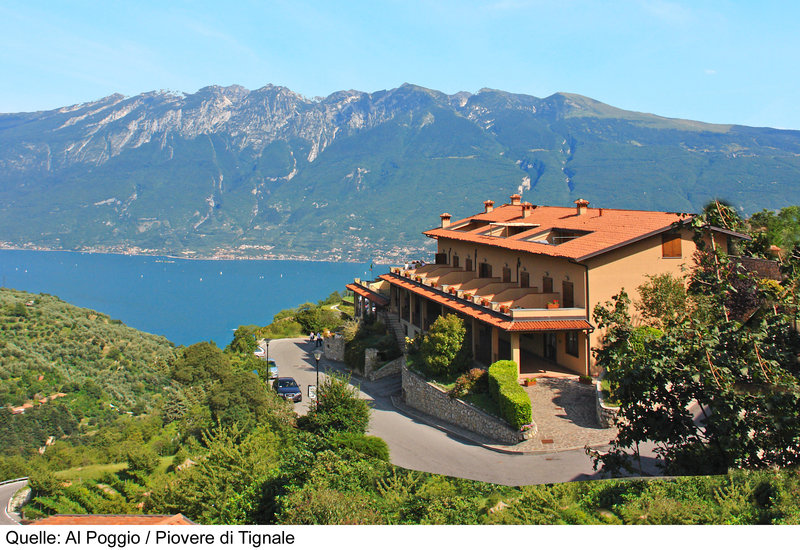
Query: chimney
pixel 445 220
pixel 582 205
pixel 527 209
pixel 488 206
pixel 601 212
pixel 515 198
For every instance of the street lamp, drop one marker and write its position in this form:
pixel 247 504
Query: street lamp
pixel 317 356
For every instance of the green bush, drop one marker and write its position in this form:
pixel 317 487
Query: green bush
pixel 369 445
pixel 441 348
pixel 514 403
pixel 475 380
pixel 340 409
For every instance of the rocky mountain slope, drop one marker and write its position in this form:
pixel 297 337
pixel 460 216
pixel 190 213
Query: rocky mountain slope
pixel 233 172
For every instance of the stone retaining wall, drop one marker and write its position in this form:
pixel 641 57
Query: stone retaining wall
pixel 429 399
pixel 333 348
pixel 607 416
pixel 390 368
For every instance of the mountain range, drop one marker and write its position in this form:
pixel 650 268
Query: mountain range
pixel 230 172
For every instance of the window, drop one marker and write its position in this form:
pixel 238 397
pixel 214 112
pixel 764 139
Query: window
pixel 671 245
pixel 484 270
pixel 547 284
pixel 455 261
pixel 441 258
pixel 468 264
pixel 572 343
pixel 506 274
pixel 525 279
pixel 568 294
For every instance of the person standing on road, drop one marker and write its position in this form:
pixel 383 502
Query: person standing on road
pixel 319 340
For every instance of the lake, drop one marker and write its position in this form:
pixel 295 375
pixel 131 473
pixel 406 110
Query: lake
pixel 187 301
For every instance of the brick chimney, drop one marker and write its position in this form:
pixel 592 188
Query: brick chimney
pixel 527 209
pixel 488 206
pixel 515 198
pixel 445 220
pixel 582 205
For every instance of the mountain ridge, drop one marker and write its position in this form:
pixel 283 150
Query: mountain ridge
pixel 233 172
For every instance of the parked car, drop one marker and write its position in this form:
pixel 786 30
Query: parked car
pixel 288 388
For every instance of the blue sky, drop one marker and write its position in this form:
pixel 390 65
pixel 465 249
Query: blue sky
pixel 724 62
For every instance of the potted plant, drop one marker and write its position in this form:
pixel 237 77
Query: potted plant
pixel 468 295
pixel 485 302
pixel 583 379
pixel 552 305
pixel 505 309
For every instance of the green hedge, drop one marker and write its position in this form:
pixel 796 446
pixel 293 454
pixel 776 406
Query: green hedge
pixel 514 403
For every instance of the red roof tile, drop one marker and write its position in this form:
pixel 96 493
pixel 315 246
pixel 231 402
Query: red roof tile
pixel 476 312
pixel 370 295
pixel 113 519
pixel 604 232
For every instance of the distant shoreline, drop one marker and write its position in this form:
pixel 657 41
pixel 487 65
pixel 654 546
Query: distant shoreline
pixel 275 257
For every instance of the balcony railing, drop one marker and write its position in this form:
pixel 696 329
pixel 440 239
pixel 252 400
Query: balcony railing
pixel 518 303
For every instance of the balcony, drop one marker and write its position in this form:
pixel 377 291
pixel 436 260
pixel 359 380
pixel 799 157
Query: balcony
pixel 508 299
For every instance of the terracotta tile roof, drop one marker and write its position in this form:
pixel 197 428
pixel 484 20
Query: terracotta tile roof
pixel 113 519
pixel 494 319
pixel 370 295
pixel 604 232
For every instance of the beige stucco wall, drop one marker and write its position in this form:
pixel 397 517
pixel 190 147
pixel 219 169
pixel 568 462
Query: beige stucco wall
pixel 559 269
pixel 625 267
pixel 628 268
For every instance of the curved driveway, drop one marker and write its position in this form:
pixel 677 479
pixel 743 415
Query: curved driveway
pixel 418 446
pixel 6 494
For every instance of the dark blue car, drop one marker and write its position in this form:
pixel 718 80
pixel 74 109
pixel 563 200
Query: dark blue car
pixel 288 388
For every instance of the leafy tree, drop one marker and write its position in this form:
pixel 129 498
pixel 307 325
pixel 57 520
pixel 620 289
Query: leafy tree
pixel 712 391
pixel 442 350
pixel 233 461
pixel 244 339
pixel 662 299
pixel 141 461
pixel 340 409
pixel 781 229
pixel 315 318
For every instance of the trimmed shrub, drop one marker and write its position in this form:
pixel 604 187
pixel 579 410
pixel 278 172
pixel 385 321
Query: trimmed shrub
pixel 514 403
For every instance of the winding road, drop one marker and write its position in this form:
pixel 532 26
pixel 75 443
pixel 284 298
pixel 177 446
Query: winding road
pixel 418 446
pixel 7 491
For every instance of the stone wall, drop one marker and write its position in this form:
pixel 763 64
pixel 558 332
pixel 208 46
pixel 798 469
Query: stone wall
pixel 607 416
pixel 370 360
pixel 390 368
pixel 429 399
pixel 333 348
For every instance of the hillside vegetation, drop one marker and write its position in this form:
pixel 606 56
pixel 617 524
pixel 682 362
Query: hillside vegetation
pixel 50 346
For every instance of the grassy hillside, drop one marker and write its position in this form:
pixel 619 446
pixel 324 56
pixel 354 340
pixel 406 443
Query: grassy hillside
pixel 50 346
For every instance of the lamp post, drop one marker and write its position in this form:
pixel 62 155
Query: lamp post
pixel 266 355
pixel 317 357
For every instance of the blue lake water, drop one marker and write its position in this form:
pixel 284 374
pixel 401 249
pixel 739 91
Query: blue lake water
pixel 187 301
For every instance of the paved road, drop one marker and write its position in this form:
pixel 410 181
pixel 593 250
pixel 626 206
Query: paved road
pixel 6 493
pixel 418 446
